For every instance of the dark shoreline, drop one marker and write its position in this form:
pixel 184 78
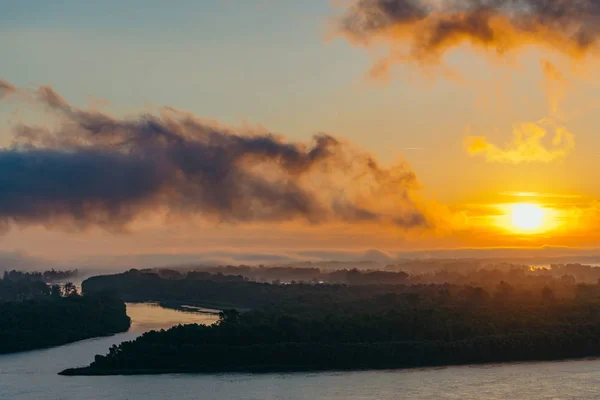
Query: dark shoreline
pixel 274 369
pixel 45 323
pixel 61 344
pixel 190 306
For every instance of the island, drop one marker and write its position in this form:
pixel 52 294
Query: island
pixel 316 327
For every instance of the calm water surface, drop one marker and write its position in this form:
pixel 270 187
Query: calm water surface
pixel 33 376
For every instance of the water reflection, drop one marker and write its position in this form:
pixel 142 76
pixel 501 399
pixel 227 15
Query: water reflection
pixel 148 316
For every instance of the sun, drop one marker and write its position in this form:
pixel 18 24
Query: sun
pixel 527 217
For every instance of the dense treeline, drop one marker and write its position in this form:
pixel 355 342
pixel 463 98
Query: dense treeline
pixel 142 357
pixel 19 286
pixel 53 321
pixel 23 289
pixel 465 272
pixel 224 291
pixel 219 291
pixel 34 314
pixel 51 275
pixel 315 327
pixel 285 275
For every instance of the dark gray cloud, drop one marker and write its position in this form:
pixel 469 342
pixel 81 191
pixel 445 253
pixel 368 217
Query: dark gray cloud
pixel 97 170
pixel 425 29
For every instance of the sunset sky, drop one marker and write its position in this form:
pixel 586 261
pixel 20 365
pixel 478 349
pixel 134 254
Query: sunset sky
pixel 393 125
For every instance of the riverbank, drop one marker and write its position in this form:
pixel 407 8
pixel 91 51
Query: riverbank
pixel 316 357
pixel 88 371
pixel 569 380
pixel 48 322
pixel 199 307
pixel 305 327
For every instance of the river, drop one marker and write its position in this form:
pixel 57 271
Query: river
pixel 33 376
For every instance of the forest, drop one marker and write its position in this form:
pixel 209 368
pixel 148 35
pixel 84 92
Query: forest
pixel 471 272
pixel 219 290
pixel 303 326
pixel 48 276
pixel 36 315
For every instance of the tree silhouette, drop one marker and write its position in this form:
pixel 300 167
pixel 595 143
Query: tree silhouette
pixel 69 289
pixel 548 294
pixel 230 316
pixel 55 291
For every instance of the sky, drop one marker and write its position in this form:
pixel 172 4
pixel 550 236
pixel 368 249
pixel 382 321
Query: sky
pixel 466 113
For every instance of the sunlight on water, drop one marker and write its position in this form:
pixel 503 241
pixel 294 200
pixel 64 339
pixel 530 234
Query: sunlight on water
pixel 147 316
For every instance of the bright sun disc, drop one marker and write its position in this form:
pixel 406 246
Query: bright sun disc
pixel 527 217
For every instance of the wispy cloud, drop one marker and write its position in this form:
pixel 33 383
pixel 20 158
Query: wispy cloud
pixel 425 30
pixel 555 84
pixel 527 145
pixel 542 195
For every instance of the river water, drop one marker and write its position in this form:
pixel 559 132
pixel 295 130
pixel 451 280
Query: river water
pixel 33 376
